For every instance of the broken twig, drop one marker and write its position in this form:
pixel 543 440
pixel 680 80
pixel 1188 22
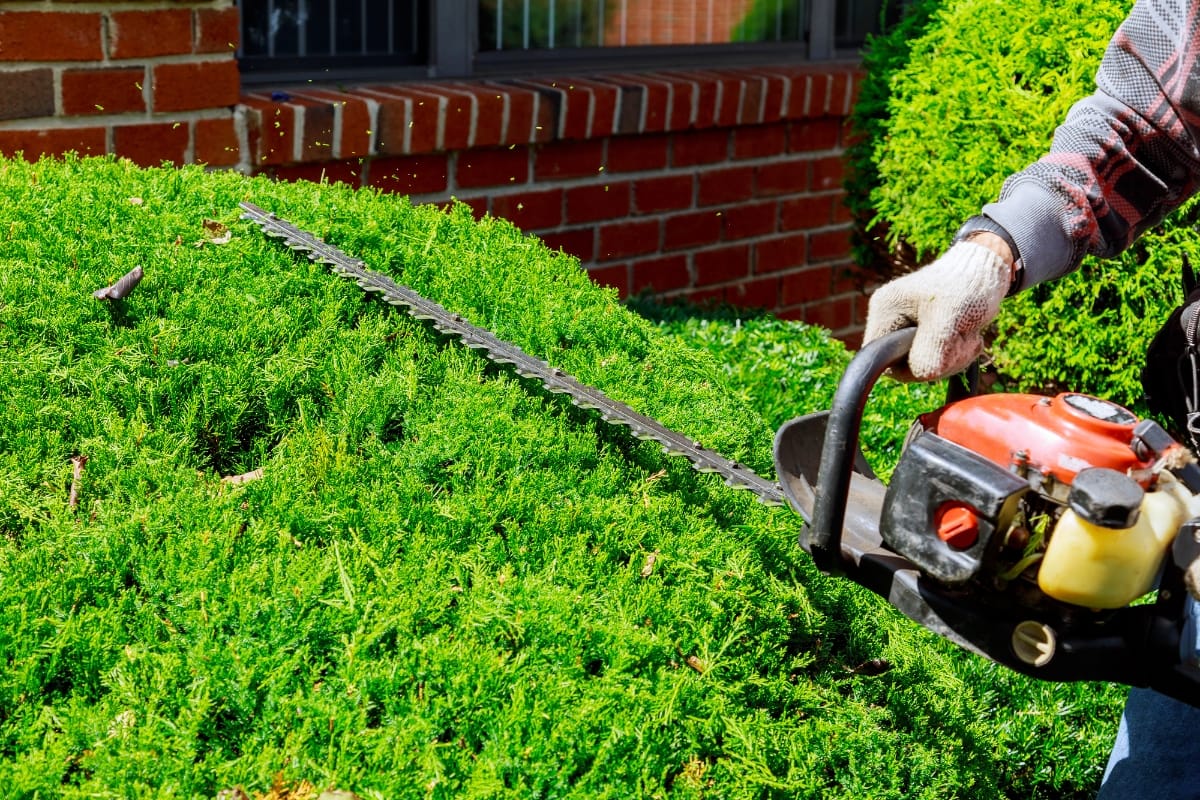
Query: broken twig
pixel 77 464
pixel 121 288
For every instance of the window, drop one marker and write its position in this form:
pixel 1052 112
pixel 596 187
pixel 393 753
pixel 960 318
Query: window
pixel 285 35
pixel 422 38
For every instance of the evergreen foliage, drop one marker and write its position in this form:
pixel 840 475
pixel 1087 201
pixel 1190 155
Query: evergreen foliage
pixel 446 582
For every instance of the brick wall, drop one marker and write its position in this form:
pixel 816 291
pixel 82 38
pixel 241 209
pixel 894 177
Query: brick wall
pixel 153 81
pixel 720 184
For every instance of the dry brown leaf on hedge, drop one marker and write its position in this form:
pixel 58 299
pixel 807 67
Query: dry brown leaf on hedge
pixel 215 232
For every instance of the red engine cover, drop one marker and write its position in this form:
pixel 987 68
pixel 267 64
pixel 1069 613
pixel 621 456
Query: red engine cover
pixel 1058 436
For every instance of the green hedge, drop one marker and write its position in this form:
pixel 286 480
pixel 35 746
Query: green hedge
pixel 976 97
pixel 447 583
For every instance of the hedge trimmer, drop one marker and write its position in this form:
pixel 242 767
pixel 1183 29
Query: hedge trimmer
pixel 1031 530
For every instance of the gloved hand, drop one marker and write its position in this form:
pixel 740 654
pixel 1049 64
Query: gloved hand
pixel 950 302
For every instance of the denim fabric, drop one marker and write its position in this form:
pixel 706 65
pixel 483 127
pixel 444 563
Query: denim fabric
pixel 1157 752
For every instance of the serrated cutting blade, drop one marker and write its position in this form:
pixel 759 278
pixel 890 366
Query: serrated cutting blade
pixel 501 352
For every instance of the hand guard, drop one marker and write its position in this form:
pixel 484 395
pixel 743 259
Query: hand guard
pixel 950 302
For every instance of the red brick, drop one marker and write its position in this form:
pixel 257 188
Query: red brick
pixel 196 85
pixel 754 89
pixel 570 108
pixel 779 254
pixel 760 293
pixel 216 142
pixel 631 106
pixel 355 121
pixel 691 230
pixel 271 132
pixel 722 265
pixel 616 276
pixel 544 121
pixel 783 177
pixel 456 114
pixel 699 147
pixel 841 211
pixel 26 93
pixel 760 141
pixel 683 94
pixel 814 135
pixel 140 34
pixel 731 185
pixel 356 128
pixel 637 153
pixel 50 36
pixel 829 245
pixel 531 211
pixel 217 30
pixel 728 101
pixel 102 91
pixel 317 144
pixel 405 126
pixel 806 286
pixel 624 239
pixel 809 211
pixel 836 314
pixel 423 174
pixel 703 96
pixel 828 173
pixel 495 167
pixel 744 221
pixel 669 193
pixel 569 160
pixel 660 274
pixel 603 104
pixel 488 113
pixel 53 142
pixel 838 103
pixel 654 111
pixel 579 242
pixel 598 202
pixel 345 172
pixel 801 96
pixel 522 105
pixel 152 144
pixel 773 109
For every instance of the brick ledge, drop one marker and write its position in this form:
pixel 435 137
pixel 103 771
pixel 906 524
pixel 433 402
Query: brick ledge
pixel 310 124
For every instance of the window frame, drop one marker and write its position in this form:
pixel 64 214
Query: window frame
pixel 453 43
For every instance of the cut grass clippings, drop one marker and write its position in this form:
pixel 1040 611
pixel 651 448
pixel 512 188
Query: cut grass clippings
pixel 316 544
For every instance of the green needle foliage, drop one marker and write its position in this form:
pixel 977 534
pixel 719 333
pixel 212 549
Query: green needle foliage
pixel 446 582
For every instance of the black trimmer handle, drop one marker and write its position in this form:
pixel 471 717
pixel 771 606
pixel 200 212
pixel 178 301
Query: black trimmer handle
pixel 822 538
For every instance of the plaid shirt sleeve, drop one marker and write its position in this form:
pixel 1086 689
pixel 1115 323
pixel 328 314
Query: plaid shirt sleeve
pixel 1124 158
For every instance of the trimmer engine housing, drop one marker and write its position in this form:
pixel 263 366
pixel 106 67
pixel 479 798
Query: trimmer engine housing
pixel 1005 487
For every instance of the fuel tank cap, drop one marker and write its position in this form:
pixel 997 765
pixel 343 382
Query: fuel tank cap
pixel 1106 498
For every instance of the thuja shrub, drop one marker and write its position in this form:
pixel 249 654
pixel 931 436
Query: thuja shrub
pixel 883 56
pixel 432 578
pixel 977 99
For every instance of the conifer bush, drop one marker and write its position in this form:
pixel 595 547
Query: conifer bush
pixel 444 582
pixel 973 99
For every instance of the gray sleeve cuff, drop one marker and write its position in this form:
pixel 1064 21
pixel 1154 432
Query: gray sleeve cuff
pixel 1033 215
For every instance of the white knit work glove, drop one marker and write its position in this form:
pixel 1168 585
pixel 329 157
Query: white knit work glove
pixel 950 302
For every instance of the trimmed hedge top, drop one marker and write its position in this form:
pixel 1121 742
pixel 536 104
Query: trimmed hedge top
pixel 445 582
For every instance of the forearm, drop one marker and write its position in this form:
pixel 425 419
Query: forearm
pixel 1124 157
